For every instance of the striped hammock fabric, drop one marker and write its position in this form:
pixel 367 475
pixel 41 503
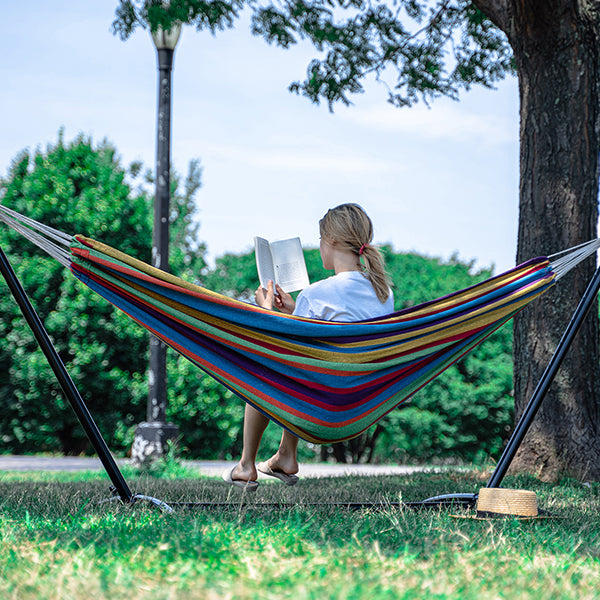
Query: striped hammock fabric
pixel 323 381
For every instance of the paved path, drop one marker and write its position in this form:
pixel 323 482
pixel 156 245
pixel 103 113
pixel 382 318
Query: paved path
pixel 209 468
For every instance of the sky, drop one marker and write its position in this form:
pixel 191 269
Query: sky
pixel 440 180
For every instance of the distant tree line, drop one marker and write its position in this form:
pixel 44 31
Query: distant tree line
pixel 79 187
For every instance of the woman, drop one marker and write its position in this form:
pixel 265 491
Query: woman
pixel 359 290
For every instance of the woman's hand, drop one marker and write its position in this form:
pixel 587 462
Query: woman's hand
pixel 284 302
pixel 264 297
pixel 268 299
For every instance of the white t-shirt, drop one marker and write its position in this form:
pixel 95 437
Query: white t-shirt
pixel 348 296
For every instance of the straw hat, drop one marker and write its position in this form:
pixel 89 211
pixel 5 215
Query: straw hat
pixel 494 503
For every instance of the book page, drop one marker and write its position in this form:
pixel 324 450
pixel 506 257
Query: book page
pixel 264 261
pixel 290 267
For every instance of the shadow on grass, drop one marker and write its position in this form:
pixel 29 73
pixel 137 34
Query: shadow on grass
pixel 59 529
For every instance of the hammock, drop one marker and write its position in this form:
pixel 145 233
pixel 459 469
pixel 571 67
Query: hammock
pixel 323 381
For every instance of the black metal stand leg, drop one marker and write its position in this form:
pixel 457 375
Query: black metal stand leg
pixel 542 387
pixel 65 380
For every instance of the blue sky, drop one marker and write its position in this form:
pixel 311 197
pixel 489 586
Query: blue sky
pixel 438 181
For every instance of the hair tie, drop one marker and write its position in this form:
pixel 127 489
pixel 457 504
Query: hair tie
pixel 362 249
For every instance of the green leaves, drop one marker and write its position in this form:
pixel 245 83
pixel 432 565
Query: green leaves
pixel 418 49
pixel 467 411
pixel 213 15
pixel 79 187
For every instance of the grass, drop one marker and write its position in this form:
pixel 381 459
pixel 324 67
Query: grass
pixel 59 540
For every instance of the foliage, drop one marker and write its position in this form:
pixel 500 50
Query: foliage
pixel 77 188
pixel 466 413
pixel 208 415
pixel 432 47
pixel 213 15
pixel 186 253
pixel 416 278
pixel 234 275
pixel 58 541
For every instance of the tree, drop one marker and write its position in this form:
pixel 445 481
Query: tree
pixel 556 52
pixel 78 187
pixel 424 49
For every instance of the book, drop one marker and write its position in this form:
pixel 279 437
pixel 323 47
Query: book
pixel 281 262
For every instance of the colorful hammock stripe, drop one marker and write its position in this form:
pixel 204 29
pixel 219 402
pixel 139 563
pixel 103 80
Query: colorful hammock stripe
pixel 324 381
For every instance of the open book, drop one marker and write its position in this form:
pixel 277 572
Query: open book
pixel 282 262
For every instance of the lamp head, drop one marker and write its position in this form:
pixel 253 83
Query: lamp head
pixel 166 39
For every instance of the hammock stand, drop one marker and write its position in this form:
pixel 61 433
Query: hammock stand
pixel 121 490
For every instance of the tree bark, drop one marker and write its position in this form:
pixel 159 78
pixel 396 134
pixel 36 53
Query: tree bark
pixel 555 46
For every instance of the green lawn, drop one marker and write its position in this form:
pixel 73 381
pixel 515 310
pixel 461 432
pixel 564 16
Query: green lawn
pixel 58 540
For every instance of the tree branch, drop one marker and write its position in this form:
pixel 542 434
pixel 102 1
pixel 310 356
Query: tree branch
pixel 393 54
pixel 498 11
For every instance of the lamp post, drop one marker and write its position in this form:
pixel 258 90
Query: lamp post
pixel 151 437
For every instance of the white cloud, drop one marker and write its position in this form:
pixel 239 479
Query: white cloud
pixel 302 158
pixel 443 121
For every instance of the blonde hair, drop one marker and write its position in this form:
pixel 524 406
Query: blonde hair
pixel 349 226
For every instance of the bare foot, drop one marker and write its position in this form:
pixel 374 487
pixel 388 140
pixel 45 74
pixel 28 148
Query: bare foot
pixel 285 465
pixel 244 474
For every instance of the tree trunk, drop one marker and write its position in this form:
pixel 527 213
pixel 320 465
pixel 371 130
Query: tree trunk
pixel 556 53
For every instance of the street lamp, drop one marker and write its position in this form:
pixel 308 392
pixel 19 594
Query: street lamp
pixel 151 437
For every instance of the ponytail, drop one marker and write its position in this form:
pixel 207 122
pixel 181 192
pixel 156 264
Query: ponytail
pixel 374 269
